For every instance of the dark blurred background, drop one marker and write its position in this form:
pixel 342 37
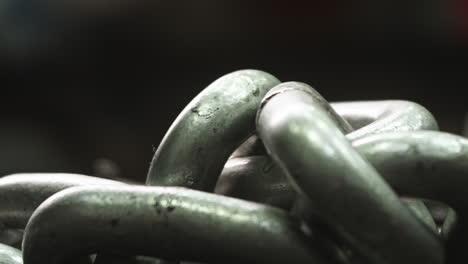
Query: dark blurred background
pixel 91 86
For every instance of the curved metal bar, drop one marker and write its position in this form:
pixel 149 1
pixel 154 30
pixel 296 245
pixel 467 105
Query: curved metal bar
pixel 201 170
pixel 319 160
pixel 424 164
pixel 221 115
pixel 375 117
pixel 163 222
pixel 9 255
pixel 367 118
pixel 258 179
pixel 21 194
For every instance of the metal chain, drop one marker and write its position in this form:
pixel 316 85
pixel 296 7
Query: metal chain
pixel 258 171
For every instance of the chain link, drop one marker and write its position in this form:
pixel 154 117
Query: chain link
pixel 258 171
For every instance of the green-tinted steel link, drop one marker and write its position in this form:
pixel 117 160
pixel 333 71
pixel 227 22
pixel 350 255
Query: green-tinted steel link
pixel 258 179
pixel 319 160
pixel 426 164
pixel 244 178
pixel 201 139
pixel 368 118
pixel 166 222
pixel 269 185
pixel 430 165
pixel 10 255
pixel 375 117
pixel 21 194
pixel 253 145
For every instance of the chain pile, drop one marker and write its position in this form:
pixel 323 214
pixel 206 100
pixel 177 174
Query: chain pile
pixel 258 171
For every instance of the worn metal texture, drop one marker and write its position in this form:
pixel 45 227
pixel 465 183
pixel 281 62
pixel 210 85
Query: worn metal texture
pixel 308 182
pixel 21 194
pixel 366 118
pixel 222 115
pixel 424 164
pixel 250 180
pixel 10 255
pixel 271 188
pixel 167 222
pixel 410 155
pixel 295 128
pixel 375 117
pixel 240 177
pixel 258 179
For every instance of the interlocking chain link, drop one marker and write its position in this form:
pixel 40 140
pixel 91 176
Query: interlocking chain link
pixel 257 171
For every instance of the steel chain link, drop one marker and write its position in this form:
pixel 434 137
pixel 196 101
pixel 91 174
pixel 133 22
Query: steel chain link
pixel 258 171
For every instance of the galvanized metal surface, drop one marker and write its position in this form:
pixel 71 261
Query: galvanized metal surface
pixel 21 194
pixel 324 168
pixel 258 179
pixel 366 118
pixel 164 222
pixel 190 154
pixel 421 163
pixel 376 117
pixel 341 183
